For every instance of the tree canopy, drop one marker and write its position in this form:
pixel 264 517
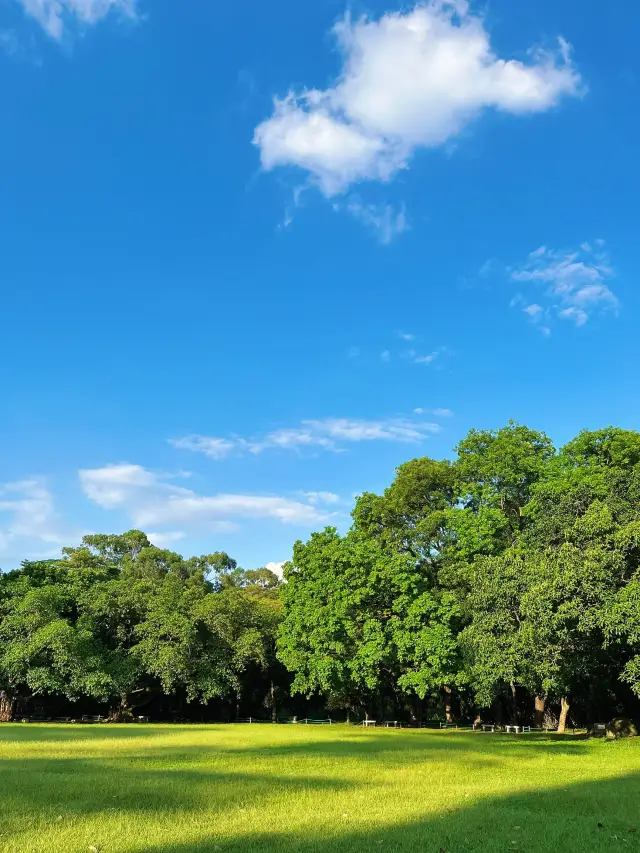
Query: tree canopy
pixel 501 583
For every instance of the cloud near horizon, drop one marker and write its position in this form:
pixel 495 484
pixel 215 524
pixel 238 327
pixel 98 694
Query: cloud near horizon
pixel 32 527
pixel 409 80
pixel 153 501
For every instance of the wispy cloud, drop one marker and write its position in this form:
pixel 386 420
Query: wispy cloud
pixel 410 80
pixel 152 501
pixel 574 285
pixel 30 526
pixel 387 221
pixel 55 15
pixel 331 434
pixel 416 357
pixel 168 539
pixel 425 359
pixel 438 413
pixel 322 498
pixel 214 448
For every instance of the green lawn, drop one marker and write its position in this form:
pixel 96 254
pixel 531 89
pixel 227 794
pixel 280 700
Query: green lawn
pixel 178 789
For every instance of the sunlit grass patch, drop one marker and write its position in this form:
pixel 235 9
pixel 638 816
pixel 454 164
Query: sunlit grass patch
pixel 174 789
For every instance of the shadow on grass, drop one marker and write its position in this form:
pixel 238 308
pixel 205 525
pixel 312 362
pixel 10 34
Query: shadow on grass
pixel 53 732
pixel 599 817
pixel 59 790
pixel 403 747
pixel 164 778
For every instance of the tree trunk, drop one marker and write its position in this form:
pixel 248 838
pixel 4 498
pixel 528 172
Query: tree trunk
pixel 497 710
pixel 564 713
pixel 7 707
pixel 538 716
pixel 448 710
pixel 274 710
pixel 514 703
pixel 121 712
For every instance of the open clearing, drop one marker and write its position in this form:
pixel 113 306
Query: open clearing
pixel 179 789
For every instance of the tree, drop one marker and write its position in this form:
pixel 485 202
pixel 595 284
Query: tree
pixel 411 517
pixel 497 470
pixel 44 650
pixel 246 621
pixel 361 624
pixel 493 642
pixel 620 616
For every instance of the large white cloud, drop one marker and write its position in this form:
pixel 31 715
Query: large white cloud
pixel 53 15
pixel 409 80
pixel 153 501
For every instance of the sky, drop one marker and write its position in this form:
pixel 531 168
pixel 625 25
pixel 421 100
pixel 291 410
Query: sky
pixel 255 256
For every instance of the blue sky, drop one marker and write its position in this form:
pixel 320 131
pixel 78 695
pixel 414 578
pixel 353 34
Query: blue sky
pixel 255 256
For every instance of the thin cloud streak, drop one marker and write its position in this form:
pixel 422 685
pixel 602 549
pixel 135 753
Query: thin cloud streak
pixel 331 434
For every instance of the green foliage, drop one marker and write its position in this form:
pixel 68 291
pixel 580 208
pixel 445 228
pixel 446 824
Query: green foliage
pixel 511 570
pixel 118 618
pixel 360 621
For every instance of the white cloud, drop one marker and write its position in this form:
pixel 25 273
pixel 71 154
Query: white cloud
pixel 574 284
pixel 153 502
pixel 214 448
pixel 54 15
pixel 30 527
pixel 429 358
pixel 534 311
pixel 439 413
pixel 276 568
pixel 167 539
pixel 425 359
pixel 409 80
pixel 385 356
pixel 384 219
pixel 322 498
pixel 392 429
pixel 327 434
pixel 406 336
pixel 578 316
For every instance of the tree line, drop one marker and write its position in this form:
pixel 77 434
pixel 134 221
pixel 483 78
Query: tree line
pixel 502 585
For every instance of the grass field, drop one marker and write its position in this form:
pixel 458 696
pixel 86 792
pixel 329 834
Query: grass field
pixel 174 789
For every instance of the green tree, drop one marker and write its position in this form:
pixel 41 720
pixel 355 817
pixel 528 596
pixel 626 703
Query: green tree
pixel 362 624
pixel 44 650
